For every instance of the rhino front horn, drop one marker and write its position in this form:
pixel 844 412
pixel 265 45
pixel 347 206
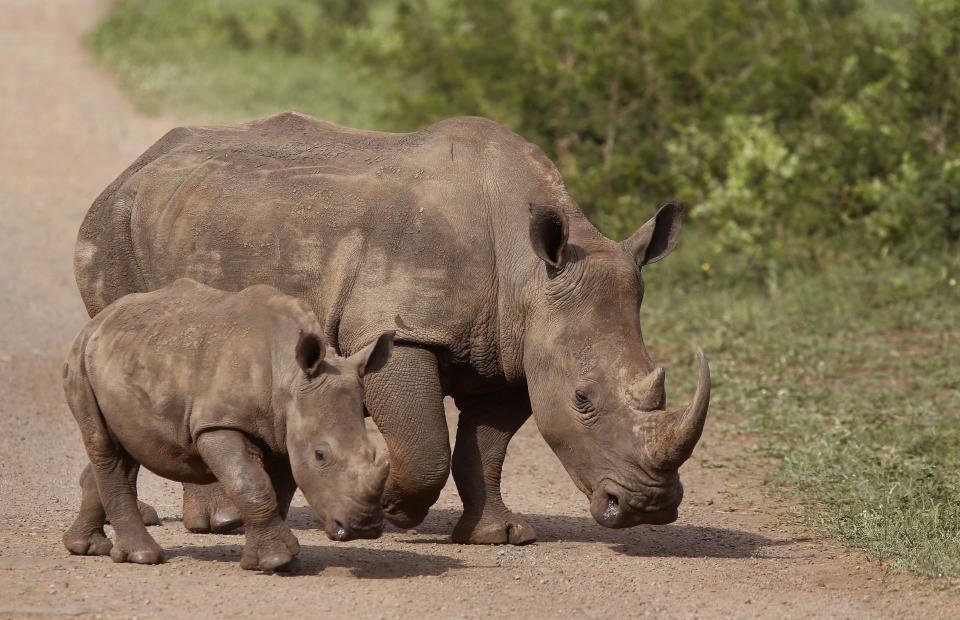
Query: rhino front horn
pixel 685 426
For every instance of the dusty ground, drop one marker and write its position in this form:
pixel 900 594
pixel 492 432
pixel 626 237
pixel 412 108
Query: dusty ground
pixel 65 132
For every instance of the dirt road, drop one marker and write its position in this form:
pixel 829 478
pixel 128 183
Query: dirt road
pixel 65 132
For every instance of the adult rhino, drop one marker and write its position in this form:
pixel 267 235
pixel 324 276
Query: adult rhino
pixel 462 238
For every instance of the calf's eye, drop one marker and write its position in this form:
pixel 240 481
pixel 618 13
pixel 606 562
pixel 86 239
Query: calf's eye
pixel 581 398
pixel 319 454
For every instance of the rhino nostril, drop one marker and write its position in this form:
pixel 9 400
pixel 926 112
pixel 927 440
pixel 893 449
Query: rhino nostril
pixel 341 532
pixel 613 507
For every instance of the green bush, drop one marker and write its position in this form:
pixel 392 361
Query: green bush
pixel 797 130
pixel 787 124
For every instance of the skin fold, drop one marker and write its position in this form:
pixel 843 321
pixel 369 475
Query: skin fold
pixel 200 385
pixel 461 237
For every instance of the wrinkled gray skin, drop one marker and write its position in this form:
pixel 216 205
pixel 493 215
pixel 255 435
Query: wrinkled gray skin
pixel 463 238
pixel 201 385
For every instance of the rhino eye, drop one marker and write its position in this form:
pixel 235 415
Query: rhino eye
pixel 584 407
pixel 320 455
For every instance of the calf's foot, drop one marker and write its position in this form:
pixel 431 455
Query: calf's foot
pixel 272 548
pixel 83 539
pixel 206 508
pixel 501 529
pixel 138 551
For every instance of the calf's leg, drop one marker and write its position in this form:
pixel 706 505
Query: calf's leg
pixel 115 475
pixel 486 425
pixel 238 465
pixel 406 403
pixel 86 535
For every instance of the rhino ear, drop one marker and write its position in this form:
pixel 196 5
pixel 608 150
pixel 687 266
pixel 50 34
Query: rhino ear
pixel 374 356
pixel 310 352
pixel 657 237
pixel 548 233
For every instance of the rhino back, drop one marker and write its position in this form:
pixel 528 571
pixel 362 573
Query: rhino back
pixel 169 364
pixel 376 231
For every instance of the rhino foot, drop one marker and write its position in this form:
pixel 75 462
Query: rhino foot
pixel 509 529
pixel 206 508
pixel 87 541
pixel 271 550
pixel 148 514
pixel 145 552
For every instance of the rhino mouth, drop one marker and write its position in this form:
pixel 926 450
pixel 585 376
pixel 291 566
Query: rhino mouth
pixel 616 506
pixel 341 532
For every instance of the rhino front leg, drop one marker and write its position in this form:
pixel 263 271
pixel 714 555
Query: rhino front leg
pixel 207 508
pixel 406 403
pixel 238 465
pixel 486 425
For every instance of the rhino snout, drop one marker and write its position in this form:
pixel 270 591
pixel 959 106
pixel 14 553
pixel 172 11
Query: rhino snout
pixel 616 506
pixel 344 529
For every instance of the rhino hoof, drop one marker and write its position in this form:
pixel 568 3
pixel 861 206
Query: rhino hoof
pixel 92 543
pixel 149 555
pixel 226 520
pixel 403 519
pixel 513 531
pixel 145 556
pixel 148 514
pixel 281 564
pixel 223 521
pixel 206 508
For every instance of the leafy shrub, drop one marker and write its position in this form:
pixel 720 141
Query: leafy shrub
pixel 797 130
pixel 787 124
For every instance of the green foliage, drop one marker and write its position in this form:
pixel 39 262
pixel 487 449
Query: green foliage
pixel 239 59
pixel 792 127
pixel 785 123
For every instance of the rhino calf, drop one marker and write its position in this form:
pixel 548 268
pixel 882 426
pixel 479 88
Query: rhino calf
pixel 200 385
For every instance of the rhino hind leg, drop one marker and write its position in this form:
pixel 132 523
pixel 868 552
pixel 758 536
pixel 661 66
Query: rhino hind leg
pixel 114 474
pixel 207 508
pixel 487 423
pixel 86 535
pixel 405 400
pixel 230 455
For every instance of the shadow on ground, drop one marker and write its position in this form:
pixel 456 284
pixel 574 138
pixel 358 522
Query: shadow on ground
pixel 682 541
pixel 362 562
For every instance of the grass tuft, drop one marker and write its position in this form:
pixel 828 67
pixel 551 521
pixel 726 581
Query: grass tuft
pixel 849 379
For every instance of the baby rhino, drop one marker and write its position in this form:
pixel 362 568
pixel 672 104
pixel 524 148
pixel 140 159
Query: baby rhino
pixel 199 385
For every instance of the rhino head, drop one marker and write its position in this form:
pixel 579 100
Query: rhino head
pixel 331 457
pixel 597 398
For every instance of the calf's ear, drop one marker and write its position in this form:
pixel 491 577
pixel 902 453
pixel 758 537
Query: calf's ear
pixel 310 352
pixel 657 237
pixel 374 356
pixel 548 233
